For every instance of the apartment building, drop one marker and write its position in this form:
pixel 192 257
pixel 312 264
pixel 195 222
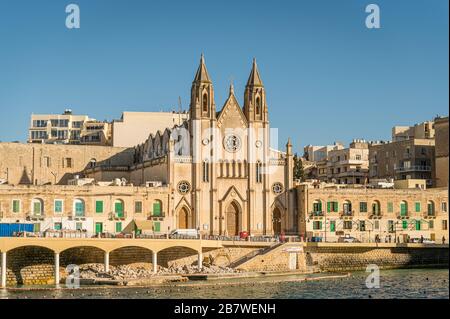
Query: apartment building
pixel 424 130
pixel 393 215
pixel 68 128
pixel 348 165
pixel 316 153
pixel 441 151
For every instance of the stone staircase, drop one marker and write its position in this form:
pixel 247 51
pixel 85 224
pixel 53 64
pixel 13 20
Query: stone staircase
pixel 253 254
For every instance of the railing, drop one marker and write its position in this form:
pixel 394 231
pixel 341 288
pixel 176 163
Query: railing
pixel 375 215
pixel 428 214
pixel 404 215
pixel 347 213
pixel 35 216
pixel 416 168
pixel 160 215
pixel 117 216
pixel 316 214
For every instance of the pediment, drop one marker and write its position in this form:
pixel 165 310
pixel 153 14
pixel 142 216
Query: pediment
pixel 231 114
pixel 233 193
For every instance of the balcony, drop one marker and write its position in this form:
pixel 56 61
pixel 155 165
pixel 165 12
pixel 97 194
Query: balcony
pixel 316 214
pixel 429 215
pixel 403 215
pixel 375 215
pixel 153 216
pixel 34 216
pixel 117 216
pixel 347 214
pixel 77 216
pixel 414 168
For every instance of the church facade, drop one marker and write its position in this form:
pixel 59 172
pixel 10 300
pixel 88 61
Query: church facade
pixel 223 175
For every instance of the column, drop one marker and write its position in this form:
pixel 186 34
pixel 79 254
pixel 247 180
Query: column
pixel 3 284
pixel 106 261
pixel 57 278
pixel 200 259
pixel 155 262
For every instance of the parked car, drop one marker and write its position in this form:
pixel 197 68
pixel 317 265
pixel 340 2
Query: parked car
pixel 348 239
pixel 425 241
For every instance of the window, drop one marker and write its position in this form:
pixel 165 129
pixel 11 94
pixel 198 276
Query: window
pixel 46 161
pixel 205 102
pixel 58 206
pixel 376 208
pixel 403 208
pixel 390 207
pixel 358 157
pixel 444 224
pixel 362 225
pixel 430 208
pixel 67 162
pixel 258 106
pixel 431 224
pixel 16 206
pixel 205 171
pixel 79 226
pixel 156 226
pixel 405 224
pixel 348 224
pixel 444 207
pixel 78 207
pixel 138 207
pixel 39 123
pixel 156 208
pixel 317 206
pixel 98 228
pixel 317 225
pixel 391 226
pixel 377 225
pixel 347 208
pixel 332 207
pixel 118 208
pixel 363 207
pixel 417 207
pixel 258 172
pixel 418 225
pixel 58 226
pixel 118 227
pixel 38 206
pixel 332 226
pixel 99 206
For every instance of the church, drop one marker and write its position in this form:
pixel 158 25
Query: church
pixel 223 176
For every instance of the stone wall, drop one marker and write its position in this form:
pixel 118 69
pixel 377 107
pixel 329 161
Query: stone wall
pixel 334 258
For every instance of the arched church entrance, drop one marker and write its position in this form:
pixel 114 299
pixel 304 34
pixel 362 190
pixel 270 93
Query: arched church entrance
pixel 183 218
pixel 276 221
pixel 232 214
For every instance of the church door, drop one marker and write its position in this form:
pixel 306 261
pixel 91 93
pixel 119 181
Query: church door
pixel 232 220
pixel 183 219
pixel 276 221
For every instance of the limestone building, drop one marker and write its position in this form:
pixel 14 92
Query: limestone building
pixel 441 145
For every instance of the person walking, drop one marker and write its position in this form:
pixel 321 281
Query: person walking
pixel 443 240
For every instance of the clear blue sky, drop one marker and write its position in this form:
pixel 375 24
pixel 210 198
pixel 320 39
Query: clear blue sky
pixel 327 76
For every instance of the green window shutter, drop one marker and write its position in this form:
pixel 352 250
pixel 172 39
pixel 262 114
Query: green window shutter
pixel 98 228
pixel 336 207
pixel 417 207
pixel 157 226
pixel 320 206
pixel 118 209
pixel 58 206
pixel 37 208
pixel 430 209
pixel 417 224
pixel 138 207
pixel 58 226
pixel 332 226
pixel 79 208
pixel 99 206
pixel 390 207
pixel 320 225
pixel 403 209
pixel 328 207
pixel 16 206
pixel 156 209
pixel 118 227
pixel 405 224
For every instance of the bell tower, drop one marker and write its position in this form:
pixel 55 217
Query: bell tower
pixel 255 107
pixel 202 94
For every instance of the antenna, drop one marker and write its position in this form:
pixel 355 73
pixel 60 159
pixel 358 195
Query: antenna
pixel 179 110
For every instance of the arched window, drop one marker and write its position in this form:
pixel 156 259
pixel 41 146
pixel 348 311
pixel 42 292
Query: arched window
pixel 205 171
pixel 227 167
pixel 347 208
pixel 92 163
pixel 403 208
pixel 376 208
pixel 78 207
pixel 205 102
pixel 157 208
pixel 258 172
pixel 38 206
pixel 258 106
pixel 119 208
pixel 317 206
pixel 430 208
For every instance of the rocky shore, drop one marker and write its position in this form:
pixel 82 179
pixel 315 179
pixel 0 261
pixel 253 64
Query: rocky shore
pixel 145 271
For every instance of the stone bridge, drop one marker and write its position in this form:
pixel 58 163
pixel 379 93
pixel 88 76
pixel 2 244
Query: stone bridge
pixel 106 245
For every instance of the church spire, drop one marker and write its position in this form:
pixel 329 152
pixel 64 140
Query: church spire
pixel 202 75
pixel 254 79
